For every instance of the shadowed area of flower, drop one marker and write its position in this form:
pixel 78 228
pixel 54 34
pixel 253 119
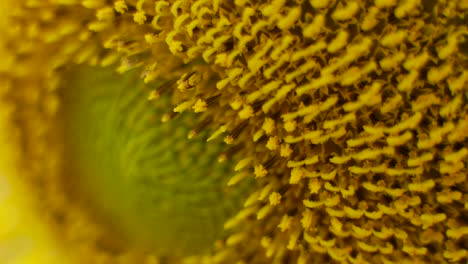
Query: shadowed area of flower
pixel 164 192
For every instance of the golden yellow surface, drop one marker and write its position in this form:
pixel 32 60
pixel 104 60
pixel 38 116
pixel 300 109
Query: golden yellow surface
pixel 24 239
pixel 351 116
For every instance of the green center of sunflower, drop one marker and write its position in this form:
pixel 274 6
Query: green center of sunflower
pixel 160 189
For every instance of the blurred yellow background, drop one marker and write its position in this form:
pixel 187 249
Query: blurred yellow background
pixel 24 239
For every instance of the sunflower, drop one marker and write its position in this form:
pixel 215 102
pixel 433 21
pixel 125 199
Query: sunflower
pixel 321 131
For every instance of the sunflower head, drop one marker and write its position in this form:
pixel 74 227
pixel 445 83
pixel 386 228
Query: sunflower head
pixel 349 117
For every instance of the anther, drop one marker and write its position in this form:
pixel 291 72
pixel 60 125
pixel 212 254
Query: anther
pixel 229 139
pixel 269 163
pixel 229 153
pixel 200 127
pixel 168 116
pixel 188 81
pixel 213 99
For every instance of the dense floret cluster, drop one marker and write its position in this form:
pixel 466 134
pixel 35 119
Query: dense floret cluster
pixel 352 116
